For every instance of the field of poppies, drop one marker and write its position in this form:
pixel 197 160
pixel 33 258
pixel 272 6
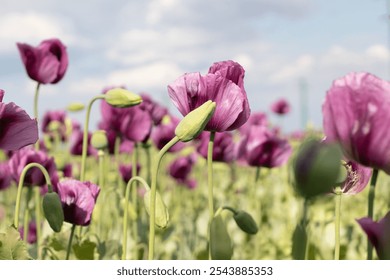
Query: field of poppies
pixel 221 182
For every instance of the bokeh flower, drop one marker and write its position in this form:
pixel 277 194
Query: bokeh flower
pixel 126 171
pixel 5 176
pixel 46 63
pixel 355 114
pixel 281 107
pixel 224 148
pixel 164 132
pixel 31 234
pixel 180 169
pixel 78 200
pixel 16 126
pixel 378 234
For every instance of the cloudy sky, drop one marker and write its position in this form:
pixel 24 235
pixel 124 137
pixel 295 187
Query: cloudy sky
pixel 284 46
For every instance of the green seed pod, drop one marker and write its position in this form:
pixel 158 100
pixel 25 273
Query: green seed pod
pixel 75 107
pixel 245 222
pixel 122 98
pixel 99 139
pixel 316 168
pixel 220 244
pixel 162 214
pixel 52 209
pixel 195 121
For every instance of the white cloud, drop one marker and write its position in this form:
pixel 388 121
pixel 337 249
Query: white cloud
pixel 31 27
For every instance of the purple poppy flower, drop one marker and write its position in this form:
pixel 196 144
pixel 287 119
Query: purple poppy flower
pixel 46 63
pixel 265 148
pixel 126 171
pixel 76 144
pixel 354 113
pixel 78 200
pixel 5 176
pixel 180 169
pixel 164 132
pixel 224 148
pixel 16 126
pixel 379 234
pixel 31 234
pixel 58 116
pixel 136 126
pixel 357 179
pixel 281 107
pixel 34 176
pixel 224 85
pixel 156 111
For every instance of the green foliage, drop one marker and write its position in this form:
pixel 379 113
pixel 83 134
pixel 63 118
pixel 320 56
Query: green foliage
pixel 12 247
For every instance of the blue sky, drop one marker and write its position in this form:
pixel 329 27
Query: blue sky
pixel 145 45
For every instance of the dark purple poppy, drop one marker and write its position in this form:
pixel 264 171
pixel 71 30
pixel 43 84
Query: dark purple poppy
pixel 224 149
pixel 357 179
pixel 164 132
pixel 156 111
pixel 5 176
pixel 265 148
pixel 180 169
pixel 76 144
pixel 224 85
pixel 34 176
pixel 46 63
pixel 78 200
pixel 31 234
pixel 126 171
pixel 281 107
pixel 136 126
pixel 355 112
pixel 16 127
pixel 379 235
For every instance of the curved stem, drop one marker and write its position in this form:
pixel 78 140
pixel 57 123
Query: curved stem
pixel 20 187
pixel 70 242
pixel 337 223
pixel 371 198
pixel 36 95
pixel 85 136
pixel 210 181
pixel 125 211
pixel 152 217
pixel 230 209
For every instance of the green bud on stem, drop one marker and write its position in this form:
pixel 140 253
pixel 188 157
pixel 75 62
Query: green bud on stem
pixel 122 98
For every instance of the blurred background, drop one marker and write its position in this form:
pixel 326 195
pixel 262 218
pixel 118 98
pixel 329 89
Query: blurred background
pixel 289 48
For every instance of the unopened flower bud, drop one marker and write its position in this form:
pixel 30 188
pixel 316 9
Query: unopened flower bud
pixel 245 222
pixel 52 208
pixel 99 140
pixel 162 215
pixel 122 98
pixel 316 168
pixel 54 126
pixel 220 243
pixel 75 107
pixel 195 121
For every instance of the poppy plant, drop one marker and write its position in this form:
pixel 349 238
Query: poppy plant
pixel 46 63
pixel 16 126
pixel 223 85
pixel 354 113
pixel 281 107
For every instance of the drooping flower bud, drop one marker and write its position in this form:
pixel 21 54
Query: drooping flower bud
pixel 220 243
pixel 162 214
pixel 75 107
pixel 195 121
pixel 122 98
pixel 316 168
pixel 245 222
pixel 52 208
pixel 99 139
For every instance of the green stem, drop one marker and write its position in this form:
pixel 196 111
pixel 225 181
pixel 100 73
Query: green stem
pixel 20 187
pixel 85 136
pixel 230 209
pixel 210 181
pixel 134 195
pixel 304 224
pixel 101 168
pixel 257 200
pixel 148 161
pixel 125 211
pixel 70 242
pixel 37 196
pixel 371 198
pixel 152 217
pixel 116 158
pixel 36 95
pixel 337 223
pixel 26 215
